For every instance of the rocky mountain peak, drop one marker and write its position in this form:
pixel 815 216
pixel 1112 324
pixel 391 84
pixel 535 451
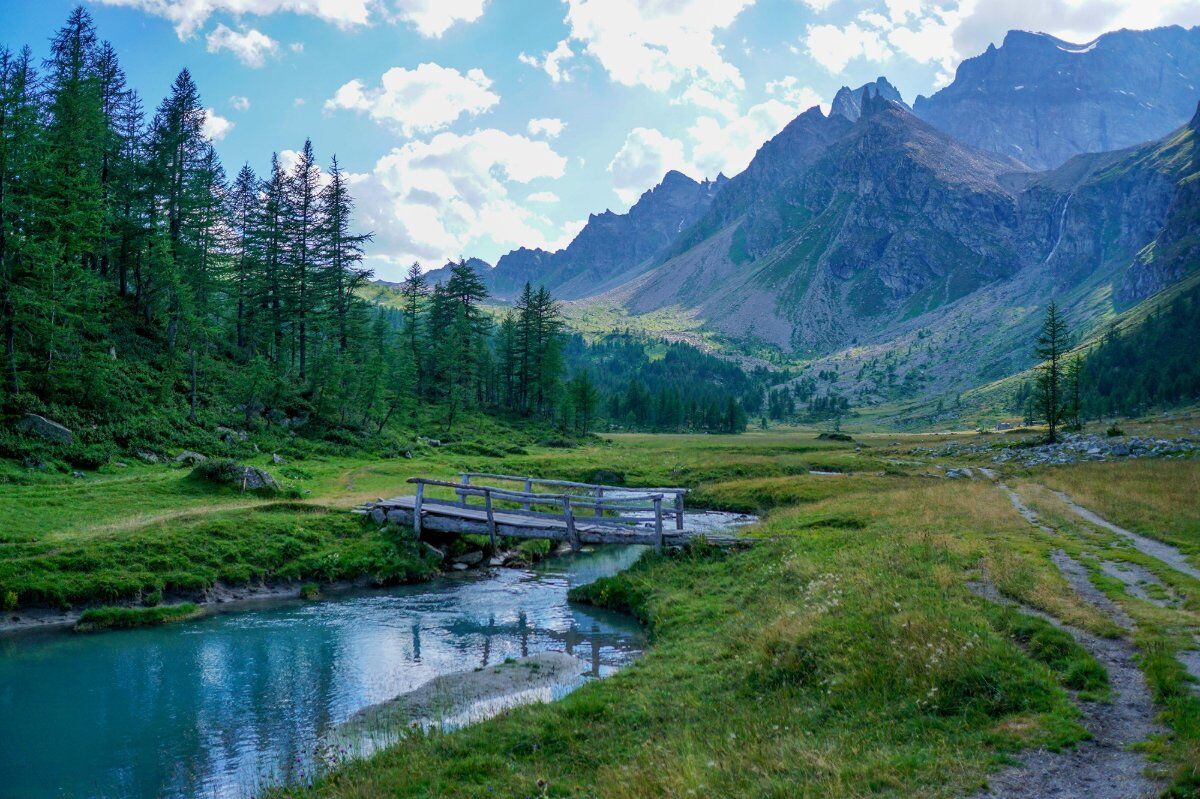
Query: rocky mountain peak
pixel 1043 100
pixel 848 102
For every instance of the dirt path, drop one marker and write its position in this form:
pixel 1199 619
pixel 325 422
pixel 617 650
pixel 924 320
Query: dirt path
pixel 1103 767
pixel 1148 546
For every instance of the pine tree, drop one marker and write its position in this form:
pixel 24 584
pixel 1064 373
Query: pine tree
pixel 342 251
pixel 584 399
pixel 303 226
pixel 1051 346
pixel 415 293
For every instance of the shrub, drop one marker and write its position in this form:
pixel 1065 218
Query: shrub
pixel 310 591
pixel 1114 431
pixel 152 598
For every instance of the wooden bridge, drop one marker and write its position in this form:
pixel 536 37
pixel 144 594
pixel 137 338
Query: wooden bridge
pixel 577 513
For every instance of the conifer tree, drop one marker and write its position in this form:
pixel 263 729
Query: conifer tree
pixel 1052 344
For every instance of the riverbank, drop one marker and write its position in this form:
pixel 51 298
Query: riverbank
pixel 848 654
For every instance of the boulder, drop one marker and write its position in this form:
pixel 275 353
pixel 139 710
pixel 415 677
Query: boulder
pixel 231 436
pixel 189 458
pixel 148 456
pixel 470 558
pixel 237 475
pixel 34 425
pixel 277 459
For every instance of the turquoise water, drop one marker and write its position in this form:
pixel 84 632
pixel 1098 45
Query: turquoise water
pixel 223 705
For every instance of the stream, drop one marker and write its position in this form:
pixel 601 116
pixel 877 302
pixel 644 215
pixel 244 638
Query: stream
pixel 224 705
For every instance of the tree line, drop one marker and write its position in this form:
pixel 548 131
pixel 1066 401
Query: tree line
pixel 141 286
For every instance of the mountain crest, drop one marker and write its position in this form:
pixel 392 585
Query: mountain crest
pixel 848 102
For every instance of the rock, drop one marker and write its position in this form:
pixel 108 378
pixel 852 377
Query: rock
pixel 231 436
pixel 407 454
pixel 460 567
pixel 148 456
pixel 37 464
pixel 433 551
pixel 379 517
pixel 470 558
pixel 189 458
pixel 429 442
pixel 496 562
pixel 34 425
pixel 237 475
pixel 277 459
pixel 78 475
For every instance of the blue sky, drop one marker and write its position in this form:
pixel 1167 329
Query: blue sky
pixel 472 127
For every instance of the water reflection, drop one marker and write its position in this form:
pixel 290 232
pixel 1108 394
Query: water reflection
pixel 220 706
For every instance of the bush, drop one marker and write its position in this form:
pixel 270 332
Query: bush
pixel 1114 431
pixel 310 591
pixel 152 598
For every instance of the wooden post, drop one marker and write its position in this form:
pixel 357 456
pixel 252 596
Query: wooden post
pixel 658 521
pixel 599 499
pixel 678 511
pixel 487 503
pixel 572 533
pixel 528 490
pixel 417 509
pixel 462 495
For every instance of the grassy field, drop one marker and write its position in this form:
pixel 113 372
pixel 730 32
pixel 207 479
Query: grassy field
pixel 844 655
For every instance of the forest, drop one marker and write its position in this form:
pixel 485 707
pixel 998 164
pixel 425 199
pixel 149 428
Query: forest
pixel 146 298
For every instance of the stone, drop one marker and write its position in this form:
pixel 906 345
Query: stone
pixel 40 426
pixel 470 558
pixel 231 436
pixel 277 459
pixel 241 477
pixel 189 458
pixel 433 551
pixel 148 456
pixel 78 475
pixel 460 567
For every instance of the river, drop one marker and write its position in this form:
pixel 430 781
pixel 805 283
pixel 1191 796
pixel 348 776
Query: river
pixel 223 705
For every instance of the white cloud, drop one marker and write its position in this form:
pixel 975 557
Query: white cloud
pixel 728 146
pixel 819 5
pixel 662 45
pixel 239 103
pixel 552 62
pixel 435 199
pixel 298 101
pixel 944 32
pixel 546 126
pixel 566 234
pixel 296 47
pixel 542 197
pixel 214 126
pixel 789 90
pixel 420 100
pixel 431 18
pixel 643 159
pixel 833 47
pixel 249 46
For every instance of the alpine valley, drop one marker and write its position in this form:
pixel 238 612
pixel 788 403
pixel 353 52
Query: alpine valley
pixel 908 252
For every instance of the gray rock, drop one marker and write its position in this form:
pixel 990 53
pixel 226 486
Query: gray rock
pixel 470 558
pixel 148 456
pixel 460 567
pixel 433 551
pixel 277 459
pixel 189 458
pixel 40 426
pixel 231 436
pixel 78 475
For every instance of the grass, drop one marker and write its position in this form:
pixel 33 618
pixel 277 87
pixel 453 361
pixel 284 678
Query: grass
pixel 842 656
pixel 1157 498
pixel 97 619
pixel 274 542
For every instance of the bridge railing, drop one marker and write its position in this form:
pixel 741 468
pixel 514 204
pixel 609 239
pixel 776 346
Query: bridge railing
pixel 596 491
pixel 567 506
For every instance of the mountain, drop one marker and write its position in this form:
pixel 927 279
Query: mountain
pixel 848 102
pixel 437 277
pixel 611 248
pixel 885 241
pixel 1042 100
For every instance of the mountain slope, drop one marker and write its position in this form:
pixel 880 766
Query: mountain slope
pixel 848 102
pixel 1041 100
pixel 611 248
pixel 860 241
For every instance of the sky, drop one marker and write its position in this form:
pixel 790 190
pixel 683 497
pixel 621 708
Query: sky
pixel 473 127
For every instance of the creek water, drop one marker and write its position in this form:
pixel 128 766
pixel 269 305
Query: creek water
pixel 229 703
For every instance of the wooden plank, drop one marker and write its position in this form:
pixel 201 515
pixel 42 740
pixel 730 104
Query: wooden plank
pixel 491 520
pixel 569 519
pixel 658 523
pixel 570 483
pixel 679 511
pixel 417 509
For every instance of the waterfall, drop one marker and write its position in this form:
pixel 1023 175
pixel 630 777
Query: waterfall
pixel 1062 223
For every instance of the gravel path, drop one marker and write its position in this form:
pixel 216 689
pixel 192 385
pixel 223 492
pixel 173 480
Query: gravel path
pixel 1148 546
pixel 1103 767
